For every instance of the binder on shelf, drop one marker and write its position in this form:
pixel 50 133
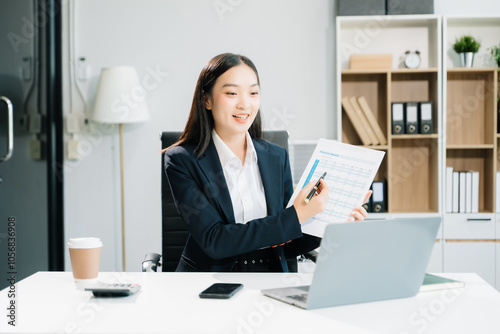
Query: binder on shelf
pixel 368 204
pixel 366 124
pixel 475 191
pixel 411 117
pixel 468 192
pixel 456 181
pixel 449 189
pixel 426 124
pixel 398 120
pixel 379 196
pixel 356 123
pixel 461 192
pixel 372 120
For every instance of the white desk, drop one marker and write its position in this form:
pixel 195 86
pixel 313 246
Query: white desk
pixel 48 302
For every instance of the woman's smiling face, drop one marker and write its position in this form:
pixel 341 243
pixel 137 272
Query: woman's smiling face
pixel 234 101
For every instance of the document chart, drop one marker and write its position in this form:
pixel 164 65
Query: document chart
pixel 350 171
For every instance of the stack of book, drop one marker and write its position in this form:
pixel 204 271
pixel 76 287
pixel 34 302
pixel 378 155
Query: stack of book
pixel 462 191
pixel 363 121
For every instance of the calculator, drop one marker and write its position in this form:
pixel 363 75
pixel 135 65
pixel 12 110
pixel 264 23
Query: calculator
pixel 114 289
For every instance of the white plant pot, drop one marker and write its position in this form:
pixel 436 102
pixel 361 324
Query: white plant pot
pixel 466 59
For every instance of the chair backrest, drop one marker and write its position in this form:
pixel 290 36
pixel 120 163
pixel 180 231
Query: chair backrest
pixel 174 230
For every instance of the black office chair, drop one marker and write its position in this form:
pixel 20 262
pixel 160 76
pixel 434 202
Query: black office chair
pixel 174 230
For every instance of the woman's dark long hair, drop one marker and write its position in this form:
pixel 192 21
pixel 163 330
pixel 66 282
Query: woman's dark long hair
pixel 200 123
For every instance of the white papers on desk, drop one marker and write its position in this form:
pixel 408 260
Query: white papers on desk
pixel 351 170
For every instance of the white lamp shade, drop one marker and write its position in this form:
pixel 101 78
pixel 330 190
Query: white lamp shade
pixel 120 97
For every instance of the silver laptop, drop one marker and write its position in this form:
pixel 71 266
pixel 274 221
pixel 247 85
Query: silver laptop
pixel 366 261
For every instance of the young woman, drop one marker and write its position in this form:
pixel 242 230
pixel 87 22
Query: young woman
pixel 230 186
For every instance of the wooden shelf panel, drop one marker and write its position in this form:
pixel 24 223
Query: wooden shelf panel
pixel 415 70
pixel 481 160
pixel 470 147
pixel 471 102
pixel 412 211
pixel 389 71
pixel 373 87
pixel 498 161
pixel 471 69
pixel 376 71
pixel 432 135
pixel 414 171
pixel 376 147
pixel 415 87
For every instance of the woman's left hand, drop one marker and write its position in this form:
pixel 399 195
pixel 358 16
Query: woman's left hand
pixel 359 212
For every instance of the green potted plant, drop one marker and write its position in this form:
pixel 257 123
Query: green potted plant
pixel 466 46
pixel 495 53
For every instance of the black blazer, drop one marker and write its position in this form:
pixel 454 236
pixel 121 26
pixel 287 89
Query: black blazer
pixel 200 193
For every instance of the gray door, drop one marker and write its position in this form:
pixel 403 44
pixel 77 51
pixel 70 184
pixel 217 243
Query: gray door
pixel 27 140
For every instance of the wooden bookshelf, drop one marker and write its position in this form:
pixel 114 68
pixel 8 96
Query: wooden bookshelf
pixel 471 122
pixel 414 175
pixel 411 165
pixel 465 113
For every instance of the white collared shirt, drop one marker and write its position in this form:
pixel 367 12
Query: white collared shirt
pixel 243 181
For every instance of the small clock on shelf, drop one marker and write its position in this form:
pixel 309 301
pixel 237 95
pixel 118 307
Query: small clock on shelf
pixel 412 59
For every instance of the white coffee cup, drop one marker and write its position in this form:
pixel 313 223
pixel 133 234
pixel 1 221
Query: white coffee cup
pixel 85 255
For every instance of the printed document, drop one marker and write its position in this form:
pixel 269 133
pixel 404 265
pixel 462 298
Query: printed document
pixel 350 172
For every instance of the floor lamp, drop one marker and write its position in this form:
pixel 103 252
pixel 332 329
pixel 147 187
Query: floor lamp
pixel 120 99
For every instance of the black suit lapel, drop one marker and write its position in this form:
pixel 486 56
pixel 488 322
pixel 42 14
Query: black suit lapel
pixel 270 172
pixel 211 167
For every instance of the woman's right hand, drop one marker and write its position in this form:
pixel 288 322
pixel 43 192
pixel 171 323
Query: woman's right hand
pixel 306 211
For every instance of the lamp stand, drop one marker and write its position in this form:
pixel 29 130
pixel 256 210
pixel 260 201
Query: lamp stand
pixel 123 195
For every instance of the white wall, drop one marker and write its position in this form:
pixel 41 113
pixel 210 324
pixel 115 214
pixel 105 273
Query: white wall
pixel 467 7
pixel 291 43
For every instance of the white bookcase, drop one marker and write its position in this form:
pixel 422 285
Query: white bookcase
pixel 470 128
pixel 411 166
pixel 415 165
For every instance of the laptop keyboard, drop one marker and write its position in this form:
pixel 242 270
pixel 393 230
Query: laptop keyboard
pixel 300 298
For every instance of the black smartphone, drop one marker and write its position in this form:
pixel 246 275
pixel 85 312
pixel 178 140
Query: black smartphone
pixel 114 289
pixel 221 290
